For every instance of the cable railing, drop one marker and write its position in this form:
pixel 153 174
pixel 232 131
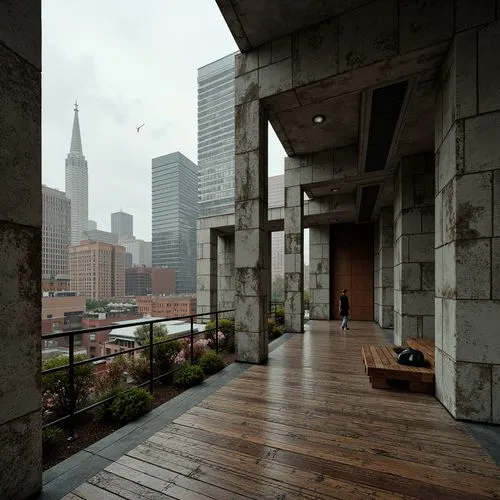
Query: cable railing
pixel 149 347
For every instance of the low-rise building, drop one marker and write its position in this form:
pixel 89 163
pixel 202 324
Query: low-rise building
pixel 141 280
pixel 167 306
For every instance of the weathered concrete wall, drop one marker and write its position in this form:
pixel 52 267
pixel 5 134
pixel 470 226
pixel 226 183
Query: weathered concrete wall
pixel 206 271
pixel 294 258
pixel 384 269
pixel 226 284
pixel 20 249
pixel 468 223
pixel 319 272
pixel 413 249
pixel 252 255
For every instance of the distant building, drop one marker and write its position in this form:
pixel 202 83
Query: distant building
pixel 128 260
pixel 92 225
pixel 61 313
pixel 276 198
pixel 60 283
pixel 216 136
pixel 100 236
pixel 77 183
pixel 167 307
pixel 97 270
pixel 140 250
pixel 56 234
pixel 122 224
pixel 175 209
pixel 141 280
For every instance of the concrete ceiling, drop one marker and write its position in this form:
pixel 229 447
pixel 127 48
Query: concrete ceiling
pixel 244 17
pixel 340 128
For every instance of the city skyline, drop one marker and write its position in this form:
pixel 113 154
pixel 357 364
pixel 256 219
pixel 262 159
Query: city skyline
pixel 122 77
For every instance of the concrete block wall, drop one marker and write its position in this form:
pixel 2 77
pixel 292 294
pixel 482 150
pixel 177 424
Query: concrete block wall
pixel 294 258
pixel 467 202
pixel 20 249
pixel 206 271
pixel 252 255
pixel 413 249
pixel 319 272
pixel 384 269
pixel 226 283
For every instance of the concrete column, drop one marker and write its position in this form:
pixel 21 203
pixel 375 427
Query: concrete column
pixel 206 272
pixel 319 272
pixel 413 249
pixel 251 235
pixel 468 227
pixel 20 250
pixel 226 285
pixel 294 258
pixel 384 269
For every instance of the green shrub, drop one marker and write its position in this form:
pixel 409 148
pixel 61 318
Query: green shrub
pixel 138 368
pixel 129 405
pixel 273 331
pixel 163 355
pixel 188 376
pixel 279 316
pixel 51 437
pixel 56 386
pixel 211 363
pixel 226 334
pixel 103 412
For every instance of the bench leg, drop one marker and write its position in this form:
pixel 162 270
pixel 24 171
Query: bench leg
pixel 380 383
pixel 423 387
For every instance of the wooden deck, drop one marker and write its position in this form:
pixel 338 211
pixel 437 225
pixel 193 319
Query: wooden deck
pixel 306 425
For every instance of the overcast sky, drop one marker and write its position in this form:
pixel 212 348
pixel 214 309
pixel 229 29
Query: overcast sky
pixel 127 63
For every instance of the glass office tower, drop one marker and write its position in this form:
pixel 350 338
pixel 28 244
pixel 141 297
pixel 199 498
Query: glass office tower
pixel 175 209
pixel 216 137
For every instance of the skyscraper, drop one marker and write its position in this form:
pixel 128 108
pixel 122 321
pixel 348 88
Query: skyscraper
pixel 276 198
pixel 122 224
pixel 216 137
pixel 175 209
pixel 77 183
pixel 56 233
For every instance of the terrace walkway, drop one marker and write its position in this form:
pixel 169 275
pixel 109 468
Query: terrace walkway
pixel 306 425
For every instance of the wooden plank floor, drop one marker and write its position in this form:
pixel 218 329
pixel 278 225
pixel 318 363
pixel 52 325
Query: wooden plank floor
pixel 306 425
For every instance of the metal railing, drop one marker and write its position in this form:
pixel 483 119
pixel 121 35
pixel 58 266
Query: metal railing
pixel 72 364
pixel 273 308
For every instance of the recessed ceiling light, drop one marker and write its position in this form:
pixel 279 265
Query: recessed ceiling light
pixel 335 190
pixel 319 119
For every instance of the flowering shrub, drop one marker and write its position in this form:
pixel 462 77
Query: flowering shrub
pixel 225 334
pixel 164 354
pixel 138 368
pixel 199 348
pixel 56 388
pixel 112 378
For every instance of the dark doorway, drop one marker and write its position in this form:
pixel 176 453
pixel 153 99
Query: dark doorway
pixel 351 247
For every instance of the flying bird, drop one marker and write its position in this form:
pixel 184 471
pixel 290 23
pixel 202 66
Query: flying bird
pixel 139 127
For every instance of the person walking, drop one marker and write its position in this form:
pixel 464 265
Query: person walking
pixel 344 309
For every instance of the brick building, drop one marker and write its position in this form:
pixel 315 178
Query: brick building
pixel 168 306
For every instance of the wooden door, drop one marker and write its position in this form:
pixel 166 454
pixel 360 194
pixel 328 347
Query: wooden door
pixel 351 248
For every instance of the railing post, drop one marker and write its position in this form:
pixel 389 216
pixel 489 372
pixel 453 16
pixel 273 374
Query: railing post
pixel 192 341
pixel 151 357
pixel 71 375
pixel 217 332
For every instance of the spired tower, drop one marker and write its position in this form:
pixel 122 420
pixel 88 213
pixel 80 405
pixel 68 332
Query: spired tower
pixel 77 183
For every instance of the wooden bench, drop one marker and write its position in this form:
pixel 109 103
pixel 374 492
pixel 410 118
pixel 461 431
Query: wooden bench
pixel 382 366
